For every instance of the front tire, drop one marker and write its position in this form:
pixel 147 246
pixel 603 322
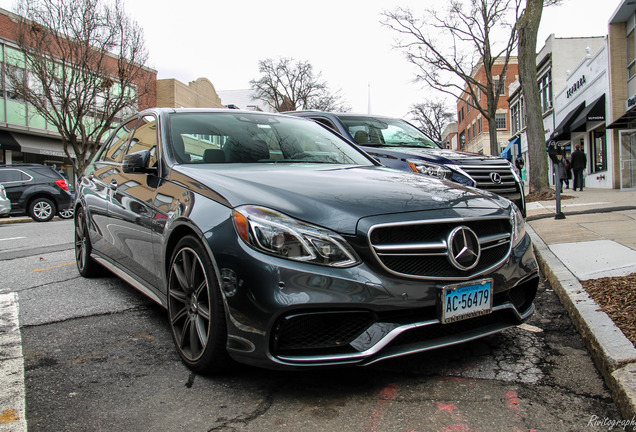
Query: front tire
pixel 195 309
pixel 86 266
pixel 42 209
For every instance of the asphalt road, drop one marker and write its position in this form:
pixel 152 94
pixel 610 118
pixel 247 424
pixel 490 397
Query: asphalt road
pixel 98 357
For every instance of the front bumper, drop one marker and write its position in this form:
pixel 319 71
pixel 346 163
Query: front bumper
pixel 284 314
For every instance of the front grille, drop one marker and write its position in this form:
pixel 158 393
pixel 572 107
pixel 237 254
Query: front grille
pixel 331 331
pixel 420 249
pixel 482 174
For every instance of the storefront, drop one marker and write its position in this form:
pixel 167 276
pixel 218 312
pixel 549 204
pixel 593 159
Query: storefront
pixel 581 118
pixel 17 147
pixel 626 129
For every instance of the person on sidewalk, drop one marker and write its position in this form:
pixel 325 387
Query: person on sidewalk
pixel 579 162
pixel 562 167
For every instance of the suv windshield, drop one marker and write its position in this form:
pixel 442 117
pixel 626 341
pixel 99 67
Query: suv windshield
pixel 385 132
pixel 256 138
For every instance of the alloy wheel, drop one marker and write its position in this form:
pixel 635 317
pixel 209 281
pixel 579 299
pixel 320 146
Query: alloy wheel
pixel 189 304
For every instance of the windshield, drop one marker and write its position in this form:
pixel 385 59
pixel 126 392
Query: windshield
pixel 233 137
pixel 385 132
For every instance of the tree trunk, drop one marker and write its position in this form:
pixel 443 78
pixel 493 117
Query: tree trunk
pixel 537 157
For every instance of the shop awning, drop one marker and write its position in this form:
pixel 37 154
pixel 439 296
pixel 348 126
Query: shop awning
pixel 626 121
pixel 38 145
pixel 593 112
pixel 562 131
pixel 507 152
pixel 7 142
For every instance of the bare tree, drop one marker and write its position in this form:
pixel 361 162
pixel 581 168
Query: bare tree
pixel 81 69
pixel 467 40
pixel 433 116
pixel 288 85
pixel 528 26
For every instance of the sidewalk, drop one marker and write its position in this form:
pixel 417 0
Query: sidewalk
pixel 596 239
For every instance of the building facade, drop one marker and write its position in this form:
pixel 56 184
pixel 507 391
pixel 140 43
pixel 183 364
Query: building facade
pixel 200 93
pixel 556 62
pixel 25 136
pixel 472 127
pixel 622 101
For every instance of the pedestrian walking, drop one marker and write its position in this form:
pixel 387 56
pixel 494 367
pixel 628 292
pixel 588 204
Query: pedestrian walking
pixel 579 162
pixel 562 167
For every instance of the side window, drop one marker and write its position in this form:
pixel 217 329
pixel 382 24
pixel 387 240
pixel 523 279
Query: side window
pixel 119 142
pixel 325 122
pixel 12 175
pixel 145 138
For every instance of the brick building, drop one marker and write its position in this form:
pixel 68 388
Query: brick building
pixel 25 136
pixel 472 127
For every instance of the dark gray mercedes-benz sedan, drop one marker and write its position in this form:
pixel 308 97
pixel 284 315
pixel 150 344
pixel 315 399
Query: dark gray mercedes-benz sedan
pixel 274 242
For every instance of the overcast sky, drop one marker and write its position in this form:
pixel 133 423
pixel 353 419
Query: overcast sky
pixel 343 39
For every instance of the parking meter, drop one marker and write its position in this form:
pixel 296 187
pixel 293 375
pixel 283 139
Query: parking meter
pixel 554 150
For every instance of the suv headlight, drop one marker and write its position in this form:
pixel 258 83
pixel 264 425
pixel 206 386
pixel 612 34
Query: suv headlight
pixel 430 168
pixel 277 234
pixel 518 225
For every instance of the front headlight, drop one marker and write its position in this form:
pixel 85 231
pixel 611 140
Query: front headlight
pixel 518 225
pixel 277 234
pixel 430 168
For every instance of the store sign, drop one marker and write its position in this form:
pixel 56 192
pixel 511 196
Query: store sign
pixel 576 86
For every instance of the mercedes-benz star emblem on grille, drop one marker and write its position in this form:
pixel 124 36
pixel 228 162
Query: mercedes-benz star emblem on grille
pixel 463 248
pixel 495 177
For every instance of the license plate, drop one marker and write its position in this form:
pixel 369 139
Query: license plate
pixel 463 301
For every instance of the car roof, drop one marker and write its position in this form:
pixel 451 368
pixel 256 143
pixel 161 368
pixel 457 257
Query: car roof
pixel 343 114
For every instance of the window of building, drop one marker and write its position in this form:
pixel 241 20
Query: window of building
pixel 545 91
pixel 515 120
pixel 474 129
pixel 462 140
pixel 500 120
pixel 631 53
pixel 468 105
pixel 468 133
pixel 500 86
pixel 479 124
pixel 599 151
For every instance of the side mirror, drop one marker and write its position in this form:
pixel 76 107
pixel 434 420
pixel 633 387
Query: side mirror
pixel 137 162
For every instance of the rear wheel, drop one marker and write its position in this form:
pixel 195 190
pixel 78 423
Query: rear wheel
pixel 65 214
pixel 86 265
pixel 42 209
pixel 195 309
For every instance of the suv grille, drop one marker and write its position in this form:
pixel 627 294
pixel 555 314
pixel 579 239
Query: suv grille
pixel 486 177
pixel 420 249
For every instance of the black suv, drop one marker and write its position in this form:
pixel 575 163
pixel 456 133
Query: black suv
pixel 398 144
pixel 36 190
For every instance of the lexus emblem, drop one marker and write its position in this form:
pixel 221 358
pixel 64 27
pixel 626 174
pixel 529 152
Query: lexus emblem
pixel 495 178
pixel 463 248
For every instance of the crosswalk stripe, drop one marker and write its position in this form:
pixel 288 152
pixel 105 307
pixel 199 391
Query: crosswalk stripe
pixel 12 393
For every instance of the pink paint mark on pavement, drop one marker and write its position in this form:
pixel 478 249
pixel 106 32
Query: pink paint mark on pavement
pixel 459 424
pixel 381 408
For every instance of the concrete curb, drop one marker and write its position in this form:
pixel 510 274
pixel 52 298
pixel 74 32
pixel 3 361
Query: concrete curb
pixel 14 219
pixel 613 354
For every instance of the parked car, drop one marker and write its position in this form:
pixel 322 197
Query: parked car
pixel 5 203
pixel 67 213
pixel 36 190
pixel 274 242
pixel 396 143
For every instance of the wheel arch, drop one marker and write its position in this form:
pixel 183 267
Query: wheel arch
pixel 37 195
pixel 180 230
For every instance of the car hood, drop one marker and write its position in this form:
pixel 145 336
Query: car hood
pixel 332 196
pixel 442 156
